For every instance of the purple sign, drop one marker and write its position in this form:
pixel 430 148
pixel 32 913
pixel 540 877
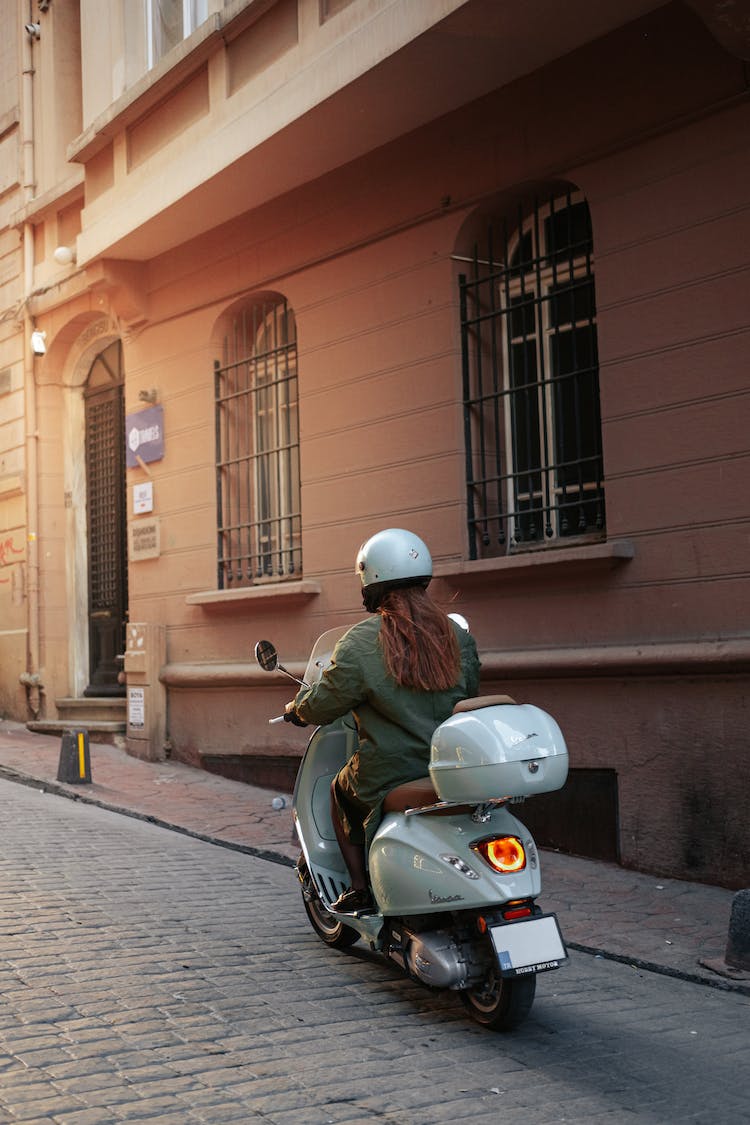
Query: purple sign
pixel 144 436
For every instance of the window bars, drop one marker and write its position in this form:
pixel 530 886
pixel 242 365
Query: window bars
pixel 531 384
pixel 257 449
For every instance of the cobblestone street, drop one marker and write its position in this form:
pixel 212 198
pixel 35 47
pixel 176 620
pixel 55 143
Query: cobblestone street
pixel 148 976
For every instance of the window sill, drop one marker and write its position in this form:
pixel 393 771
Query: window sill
pixel 273 591
pixel 596 556
pixel 11 486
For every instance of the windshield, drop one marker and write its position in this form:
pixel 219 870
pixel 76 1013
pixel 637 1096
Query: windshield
pixel 320 657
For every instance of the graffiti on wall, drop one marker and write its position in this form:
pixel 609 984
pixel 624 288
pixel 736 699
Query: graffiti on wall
pixel 7 551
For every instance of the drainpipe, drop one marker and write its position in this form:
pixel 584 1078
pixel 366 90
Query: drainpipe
pixel 31 678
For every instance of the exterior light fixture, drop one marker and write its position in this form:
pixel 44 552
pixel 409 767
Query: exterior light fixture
pixel 39 342
pixel 33 30
pixel 64 255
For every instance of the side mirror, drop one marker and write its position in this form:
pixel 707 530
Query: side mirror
pixel 267 656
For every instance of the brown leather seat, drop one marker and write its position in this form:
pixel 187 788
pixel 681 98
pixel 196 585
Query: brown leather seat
pixel 411 795
pixel 481 701
pixel 418 795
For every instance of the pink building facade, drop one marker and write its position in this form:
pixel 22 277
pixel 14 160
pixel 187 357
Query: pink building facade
pixel 493 289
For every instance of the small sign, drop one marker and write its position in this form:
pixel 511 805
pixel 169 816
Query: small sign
pixel 137 707
pixel 143 498
pixel 145 539
pixel 144 436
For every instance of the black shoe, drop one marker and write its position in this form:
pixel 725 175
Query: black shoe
pixel 353 902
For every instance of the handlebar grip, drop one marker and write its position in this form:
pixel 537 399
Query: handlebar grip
pixel 278 719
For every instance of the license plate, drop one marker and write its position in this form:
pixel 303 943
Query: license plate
pixel 531 946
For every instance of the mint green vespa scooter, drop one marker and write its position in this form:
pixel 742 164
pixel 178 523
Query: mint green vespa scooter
pixel 454 874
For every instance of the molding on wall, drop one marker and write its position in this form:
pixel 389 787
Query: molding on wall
pixel 713 658
pixel 228 675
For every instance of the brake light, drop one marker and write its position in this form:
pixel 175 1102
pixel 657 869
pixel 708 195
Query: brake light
pixel 517 912
pixel 504 854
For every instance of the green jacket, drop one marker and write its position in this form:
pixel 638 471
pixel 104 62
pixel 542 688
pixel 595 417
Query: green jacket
pixel 394 724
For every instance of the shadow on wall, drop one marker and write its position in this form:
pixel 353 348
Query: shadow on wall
pixel 581 818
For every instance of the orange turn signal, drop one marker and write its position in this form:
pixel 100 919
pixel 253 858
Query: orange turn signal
pixel 504 854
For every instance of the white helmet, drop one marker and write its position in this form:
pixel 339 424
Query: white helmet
pixel 392 558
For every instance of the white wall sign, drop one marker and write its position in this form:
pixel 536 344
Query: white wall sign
pixel 143 498
pixel 137 707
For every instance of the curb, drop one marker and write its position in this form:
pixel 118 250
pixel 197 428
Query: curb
pixel 721 983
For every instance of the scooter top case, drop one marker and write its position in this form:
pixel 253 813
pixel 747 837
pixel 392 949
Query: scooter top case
pixel 493 747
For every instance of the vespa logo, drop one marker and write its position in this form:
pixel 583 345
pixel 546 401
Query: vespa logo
pixel 517 739
pixel 439 899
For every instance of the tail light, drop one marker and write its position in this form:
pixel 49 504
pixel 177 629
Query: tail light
pixel 516 910
pixel 511 912
pixel 504 854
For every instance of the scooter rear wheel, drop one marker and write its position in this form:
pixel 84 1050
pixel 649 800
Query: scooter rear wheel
pixel 502 1004
pixel 328 928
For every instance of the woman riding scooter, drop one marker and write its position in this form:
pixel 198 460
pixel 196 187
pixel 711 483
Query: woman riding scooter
pixel 400 673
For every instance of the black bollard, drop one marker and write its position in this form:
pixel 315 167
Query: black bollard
pixel 738 941
pixel 74 766
pixel 735 963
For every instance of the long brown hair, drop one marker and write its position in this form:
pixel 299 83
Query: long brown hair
pixel 419 642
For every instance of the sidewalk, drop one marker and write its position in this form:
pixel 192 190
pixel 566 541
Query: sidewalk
pixel 662 925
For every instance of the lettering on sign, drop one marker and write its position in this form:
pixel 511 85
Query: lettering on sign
pixel 145 540
pixel 136 708
pixel 143 498
pixel 144 436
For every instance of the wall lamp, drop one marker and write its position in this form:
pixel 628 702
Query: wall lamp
pixel 33 30
pixel 38 342
pixel 64 255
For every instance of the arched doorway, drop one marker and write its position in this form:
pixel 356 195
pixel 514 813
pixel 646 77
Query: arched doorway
pixel 104 405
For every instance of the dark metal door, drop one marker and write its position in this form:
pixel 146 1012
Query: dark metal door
pixel 107 544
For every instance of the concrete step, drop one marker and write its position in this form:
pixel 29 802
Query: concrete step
pixel 111 734
pixel 105 719
pixel 95 709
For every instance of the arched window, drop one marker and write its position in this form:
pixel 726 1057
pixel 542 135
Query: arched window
pixel 257 447
pixel 531 382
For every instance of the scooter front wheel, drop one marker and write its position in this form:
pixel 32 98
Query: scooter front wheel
pixel 328 928
pixel 501 1004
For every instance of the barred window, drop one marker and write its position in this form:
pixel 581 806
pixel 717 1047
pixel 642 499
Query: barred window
pixel 531 383
pixel 257 447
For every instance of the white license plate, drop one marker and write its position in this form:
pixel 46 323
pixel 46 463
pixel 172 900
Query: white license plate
pixel 530 946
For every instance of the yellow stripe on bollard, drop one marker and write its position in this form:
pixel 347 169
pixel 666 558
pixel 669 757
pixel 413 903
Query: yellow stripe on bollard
pixel 74 767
